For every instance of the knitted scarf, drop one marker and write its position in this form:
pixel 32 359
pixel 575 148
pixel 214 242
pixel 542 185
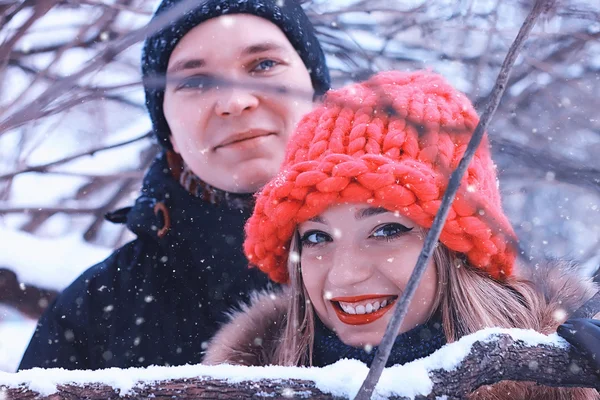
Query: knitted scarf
pixel 408 346
pixel 198 188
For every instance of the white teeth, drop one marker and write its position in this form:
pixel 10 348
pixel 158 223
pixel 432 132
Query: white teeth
pixel 348 308
pixel 363 308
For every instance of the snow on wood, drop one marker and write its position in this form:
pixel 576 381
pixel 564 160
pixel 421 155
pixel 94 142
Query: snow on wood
pixel 485 357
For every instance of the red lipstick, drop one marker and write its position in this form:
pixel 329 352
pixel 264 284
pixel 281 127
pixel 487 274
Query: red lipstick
pixel 362 319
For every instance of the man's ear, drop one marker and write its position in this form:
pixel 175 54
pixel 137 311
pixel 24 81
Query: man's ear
pixel 174 144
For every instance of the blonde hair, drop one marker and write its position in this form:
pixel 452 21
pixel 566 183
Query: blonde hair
pixel 468 300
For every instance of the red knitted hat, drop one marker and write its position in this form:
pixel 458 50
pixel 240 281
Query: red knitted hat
pixel 391 142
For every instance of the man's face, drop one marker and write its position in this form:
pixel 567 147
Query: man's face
pixel 233 133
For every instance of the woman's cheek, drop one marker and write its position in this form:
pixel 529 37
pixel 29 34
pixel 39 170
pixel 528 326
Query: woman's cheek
pixel 314 270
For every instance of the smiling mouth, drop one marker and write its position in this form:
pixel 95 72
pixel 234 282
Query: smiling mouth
pixel 237 139
pixel 361 310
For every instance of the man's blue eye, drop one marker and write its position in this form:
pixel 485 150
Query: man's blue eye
pixel 265 65
pixel 195 82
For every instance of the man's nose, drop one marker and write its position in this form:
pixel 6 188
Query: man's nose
pixel 233 101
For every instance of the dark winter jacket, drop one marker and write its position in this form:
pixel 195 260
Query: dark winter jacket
pixel 558 286
pixel 158 299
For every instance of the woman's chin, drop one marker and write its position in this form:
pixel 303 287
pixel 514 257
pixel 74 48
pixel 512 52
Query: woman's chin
pixel 364 340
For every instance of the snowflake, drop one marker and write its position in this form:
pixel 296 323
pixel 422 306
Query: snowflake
pixel 294 256
pixel 227 21
pixel 560 315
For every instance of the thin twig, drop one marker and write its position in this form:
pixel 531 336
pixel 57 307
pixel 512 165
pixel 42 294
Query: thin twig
pixel 111 177
pixel 433 234
pixel 44 167
pixel 122 191
pixel 119 7
pixel 102 90
pixel 47 210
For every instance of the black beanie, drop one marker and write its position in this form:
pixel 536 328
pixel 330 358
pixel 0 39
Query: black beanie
pixel 288 15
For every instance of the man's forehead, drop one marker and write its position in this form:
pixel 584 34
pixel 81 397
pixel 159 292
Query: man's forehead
pixel 200 56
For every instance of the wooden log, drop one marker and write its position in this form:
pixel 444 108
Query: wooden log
pixel 501 357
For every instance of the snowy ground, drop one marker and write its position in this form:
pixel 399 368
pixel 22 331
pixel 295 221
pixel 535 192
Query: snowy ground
pixel 48 263
pixel 15 331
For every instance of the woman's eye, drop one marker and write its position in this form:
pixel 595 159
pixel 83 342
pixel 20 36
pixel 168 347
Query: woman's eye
pixel 264 65
pixel 199 82
pixel 313 238
pixel 391 230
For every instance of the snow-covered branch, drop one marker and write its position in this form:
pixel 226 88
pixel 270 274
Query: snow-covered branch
pixel 483 358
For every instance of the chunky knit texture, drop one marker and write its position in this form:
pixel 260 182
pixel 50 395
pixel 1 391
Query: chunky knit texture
pixel 390 142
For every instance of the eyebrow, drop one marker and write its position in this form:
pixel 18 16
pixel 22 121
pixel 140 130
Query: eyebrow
pixel 317 219
pixel 360 214
pixel 248 50
pixel 369 212
pixel 261 48
pixel 187 64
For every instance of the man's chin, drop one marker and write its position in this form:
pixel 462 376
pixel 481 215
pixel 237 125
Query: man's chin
pixel 251 176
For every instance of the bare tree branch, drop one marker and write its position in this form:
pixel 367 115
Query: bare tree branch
pixel 119 7
pixel 47 210
pixel 40 8
pixel 45 167
pixel 560 168
pixel 123 190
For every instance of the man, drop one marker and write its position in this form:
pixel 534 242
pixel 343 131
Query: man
pixel 239 76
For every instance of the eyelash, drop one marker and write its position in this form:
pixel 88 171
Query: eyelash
pixel 304 240
pixel 401 229
pixel 259 61
pixel 196 82
pixel 204 82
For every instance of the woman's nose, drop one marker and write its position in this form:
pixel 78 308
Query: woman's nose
pixel 350 267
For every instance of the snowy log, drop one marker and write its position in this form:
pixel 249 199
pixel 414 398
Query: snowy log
pixel 483 358
pixel 28 299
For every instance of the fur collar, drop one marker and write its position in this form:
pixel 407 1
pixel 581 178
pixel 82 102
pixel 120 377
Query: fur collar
pixel 251 336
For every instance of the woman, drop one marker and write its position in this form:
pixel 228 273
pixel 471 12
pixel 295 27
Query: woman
pixel 344 223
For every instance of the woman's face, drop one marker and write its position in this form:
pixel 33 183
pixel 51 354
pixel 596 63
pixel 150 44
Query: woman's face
pixel 232 133
pixel 356 261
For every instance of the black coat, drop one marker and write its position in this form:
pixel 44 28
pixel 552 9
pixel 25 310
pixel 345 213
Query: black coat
pixel 155 301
